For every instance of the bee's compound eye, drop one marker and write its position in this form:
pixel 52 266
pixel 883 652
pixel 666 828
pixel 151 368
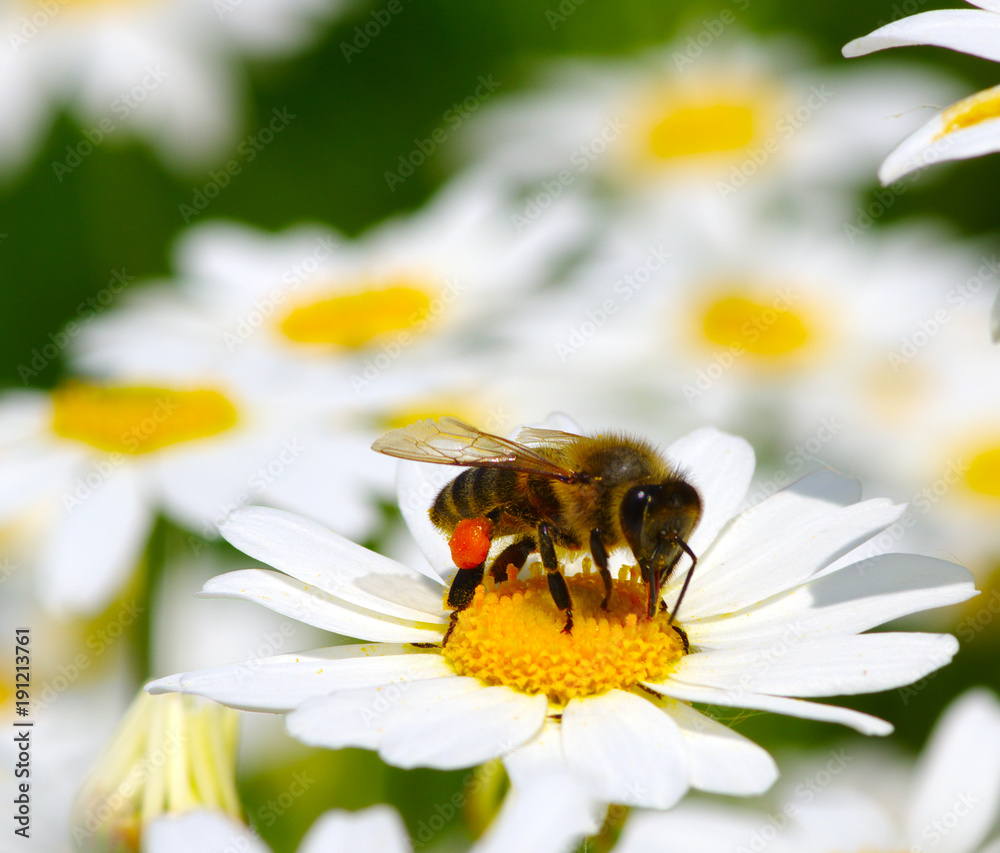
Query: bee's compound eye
pixel 633 512
pixel 634 505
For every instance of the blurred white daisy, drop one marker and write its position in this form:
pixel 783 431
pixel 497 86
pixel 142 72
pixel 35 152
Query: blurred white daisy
pixel 968 128
pixel 89 465
pixel 753 327
pixel 161 70
pixel 551 815
pixel 359 322
pixel 709 124
pixel 917 423
pixel 170 755
pixel 847 800
pixel 775 616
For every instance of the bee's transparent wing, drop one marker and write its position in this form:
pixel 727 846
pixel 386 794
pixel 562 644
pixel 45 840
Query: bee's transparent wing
pixel 547 437
pixel 450 441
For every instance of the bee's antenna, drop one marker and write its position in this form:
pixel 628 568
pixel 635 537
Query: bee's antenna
pixel 687 580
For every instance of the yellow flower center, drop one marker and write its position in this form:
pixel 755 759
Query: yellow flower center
pixel 356 319
pixel 983 475
pixel 768 330
pixel 692 129
pixel 970 111
pixel 466 407
pixel 138 419
pixel 512 634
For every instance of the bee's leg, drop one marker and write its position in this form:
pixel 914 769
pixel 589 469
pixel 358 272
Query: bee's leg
pixel 461 593
pixel 600 555
pixel 515 554
pixel 684 637
pixel 557 583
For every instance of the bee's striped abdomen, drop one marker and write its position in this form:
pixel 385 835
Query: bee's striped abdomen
pixel 472 494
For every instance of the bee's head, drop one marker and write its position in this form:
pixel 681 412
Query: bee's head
pixel 657 520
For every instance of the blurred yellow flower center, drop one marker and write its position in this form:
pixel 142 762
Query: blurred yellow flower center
pixel 512 635
pixel 983 475
pixel 464 407
pixel 971 111
pixel 690 129
pixel 765 329
pixel 356 319
pixel 138 419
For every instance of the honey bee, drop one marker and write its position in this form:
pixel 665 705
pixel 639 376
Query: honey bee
pixel 552 488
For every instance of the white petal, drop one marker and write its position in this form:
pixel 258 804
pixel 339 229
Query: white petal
pixel 417 485
pixel 281 683
pixel 958 777
pixel 965 30
pixel 864 723
pixel 378 828
pixel 551 814
pixel 811 497
pixel 317 556
pixel 720 466
pixel 445 723
pixel 787 539
pixel 695 827
pixel 96 543
pixel 200 484
pixel 850 601
pixel 631 751
pixel 829 666
pixel 722 761
pixel 31 474
pixel 200 832
pixel 334 482
pixel 542 757
pixel 311 605
pixel 939 141
pixel 842 818
pixel 23 415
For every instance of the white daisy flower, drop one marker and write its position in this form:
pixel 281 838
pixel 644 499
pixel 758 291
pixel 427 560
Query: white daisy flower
pixel 90 464
pixel 342 317
pixel 170 755
pixel 968 128
pixel 773 618
pixel 757 327
pixel 711 124
pixel 917 423
pixel 550 816
pixel 161 70
pixel 846 800
pixel 375 828
pixel 555 828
